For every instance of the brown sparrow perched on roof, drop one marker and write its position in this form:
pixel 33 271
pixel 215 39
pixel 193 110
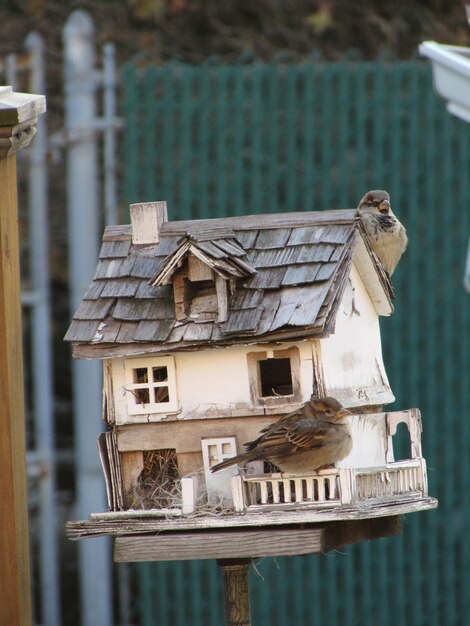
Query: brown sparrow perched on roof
pixel 386 234
pixel 315 435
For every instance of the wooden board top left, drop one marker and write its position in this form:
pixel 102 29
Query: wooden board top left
pixel 16 108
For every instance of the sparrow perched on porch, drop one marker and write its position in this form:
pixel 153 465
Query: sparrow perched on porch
pixel 315 435
pixel 386 234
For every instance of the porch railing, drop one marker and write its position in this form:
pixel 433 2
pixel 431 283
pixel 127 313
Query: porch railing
pixel 331 488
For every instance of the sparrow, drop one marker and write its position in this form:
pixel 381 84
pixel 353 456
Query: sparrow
pixel 314 436
pixel 386 234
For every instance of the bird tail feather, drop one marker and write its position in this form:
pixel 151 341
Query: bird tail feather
pixel 241 458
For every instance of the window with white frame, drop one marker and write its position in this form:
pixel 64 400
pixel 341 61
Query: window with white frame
pixel 217 450
pixel 151 385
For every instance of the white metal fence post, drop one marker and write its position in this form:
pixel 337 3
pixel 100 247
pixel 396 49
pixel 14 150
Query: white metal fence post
pixel 83 225
pixel 110 129
pixel 41 353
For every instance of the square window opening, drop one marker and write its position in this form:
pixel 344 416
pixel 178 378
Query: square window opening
pixel 275 377
pixel 140 375
pixel 142 396
pixel 160 374
pixel 162 395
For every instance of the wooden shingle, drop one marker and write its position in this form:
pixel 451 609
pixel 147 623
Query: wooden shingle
pixel 114 268
pixel 93 309
pixel 144 266
pixel 305 235
pixel 271 303
pixel 95 290
pixel 247 238
pixel 284 273
pixel 115 249
pixel 132 309
pixel 147 291
pixel 244 321
pixel 272 238
pixel 154 330
pixel 126 332
pixel 197 332
pixel 109 331
pixel 270 278
pixel 301 274
pixel 246 299
pixel 319 252
pixel 120 288
pixel 275 257
pixel 290 300
pixel 229 247
pixel 82 331
pixel 306 313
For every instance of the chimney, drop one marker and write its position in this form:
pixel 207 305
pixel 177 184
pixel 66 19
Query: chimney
pixel 146 219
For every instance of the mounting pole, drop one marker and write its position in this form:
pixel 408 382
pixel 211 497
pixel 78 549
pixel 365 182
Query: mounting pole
pixel 18 118
pixel 236 591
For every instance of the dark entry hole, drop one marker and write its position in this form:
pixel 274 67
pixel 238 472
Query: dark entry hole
pixel 275 377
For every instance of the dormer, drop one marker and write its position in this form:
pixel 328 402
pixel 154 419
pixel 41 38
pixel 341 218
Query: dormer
pixel 203 270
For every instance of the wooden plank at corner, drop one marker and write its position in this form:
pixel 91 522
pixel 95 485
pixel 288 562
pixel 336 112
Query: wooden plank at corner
pixel 15 597
pixel 338 534
pixel 218 545
pixel 237 544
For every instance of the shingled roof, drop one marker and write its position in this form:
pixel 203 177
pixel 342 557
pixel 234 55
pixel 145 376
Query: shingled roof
pixel 288 272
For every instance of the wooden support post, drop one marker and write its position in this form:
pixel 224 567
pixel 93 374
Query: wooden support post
pixel 236 591
pixel 18 115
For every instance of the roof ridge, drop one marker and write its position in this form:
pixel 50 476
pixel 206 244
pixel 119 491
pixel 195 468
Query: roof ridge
pixel 263 221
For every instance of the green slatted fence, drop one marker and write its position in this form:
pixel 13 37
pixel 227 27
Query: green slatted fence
pixel 217 140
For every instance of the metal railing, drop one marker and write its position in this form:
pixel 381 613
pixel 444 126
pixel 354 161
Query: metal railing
pixel 79 138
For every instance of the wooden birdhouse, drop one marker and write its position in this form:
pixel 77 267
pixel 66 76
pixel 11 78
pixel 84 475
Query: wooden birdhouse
pixel 210 330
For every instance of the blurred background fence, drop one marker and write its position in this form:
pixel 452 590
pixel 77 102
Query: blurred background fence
pixel 217 140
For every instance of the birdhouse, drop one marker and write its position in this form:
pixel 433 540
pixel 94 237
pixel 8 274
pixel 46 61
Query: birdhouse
pixel 211 330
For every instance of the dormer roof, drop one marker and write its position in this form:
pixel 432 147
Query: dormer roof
pixel 217 248
pixel 287 274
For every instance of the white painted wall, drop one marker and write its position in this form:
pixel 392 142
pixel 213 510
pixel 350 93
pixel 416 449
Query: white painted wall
pixel 215 382
pixel 211 383
pixel 353 367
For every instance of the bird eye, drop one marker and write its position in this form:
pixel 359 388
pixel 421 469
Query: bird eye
pixel 329 412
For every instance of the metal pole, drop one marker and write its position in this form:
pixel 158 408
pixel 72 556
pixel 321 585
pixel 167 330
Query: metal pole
pixel 83 225
pixel 42 346
pixel 109 86
pixel 11 70
pixel 236 591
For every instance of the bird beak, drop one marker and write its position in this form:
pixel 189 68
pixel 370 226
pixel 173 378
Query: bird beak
pixel 384 206
pixel 343 413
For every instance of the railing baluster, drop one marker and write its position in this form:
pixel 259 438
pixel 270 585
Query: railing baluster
pixel 309 484
pixel 264 491
pixel 275 486
pixel 298 489
pixel 287 491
